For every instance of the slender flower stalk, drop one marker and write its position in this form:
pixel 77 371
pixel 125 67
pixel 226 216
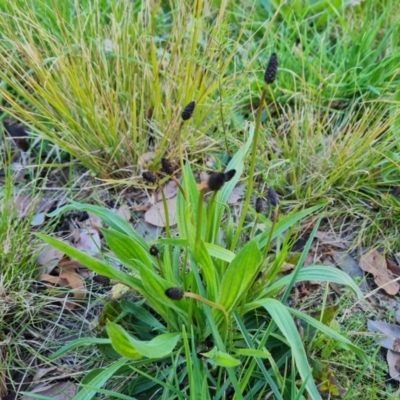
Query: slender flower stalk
pixel 269 77
pixel 177 293
pixel 251 171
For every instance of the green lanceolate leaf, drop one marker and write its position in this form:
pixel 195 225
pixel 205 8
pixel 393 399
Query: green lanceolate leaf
pixel 209 272
pixel 315 273
pixel 253 353
pixel 187 209
pixel 94 264
pixel 282 318
pixel 127 249
pixel 109 217
pixel 129 347
pixel 239 275
pixel 220 358
pixel 219 252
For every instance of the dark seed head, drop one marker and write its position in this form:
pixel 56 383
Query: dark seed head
pixel 19 134
pixel 102 280
pixel 174 293
pixel 230 174
pixel 149 177
pixel 272 69
pixel 166 166
pixel 154 250
pixel 188 111
pixel 259 205
pixel 273 197
pixel 216 181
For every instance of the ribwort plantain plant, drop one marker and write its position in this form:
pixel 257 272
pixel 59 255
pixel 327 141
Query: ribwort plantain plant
pixel 203 285
pixel 195 288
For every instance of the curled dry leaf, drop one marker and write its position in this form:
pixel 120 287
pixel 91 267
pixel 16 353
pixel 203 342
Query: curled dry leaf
pixel 393 360
pixel 375 264
pixel 156 215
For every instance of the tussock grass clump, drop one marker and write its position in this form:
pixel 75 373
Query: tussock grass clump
pixel 101 81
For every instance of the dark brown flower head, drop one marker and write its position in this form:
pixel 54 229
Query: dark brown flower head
pixel 259 205
pixel 272 69
pixel 166 166
pixel 154 250
pixel 230 174
pixel 149 177
pixel 188 111
pixel 102 280
pixel 19 134
pixel 174 293
pixel 273 197
pixel 216 181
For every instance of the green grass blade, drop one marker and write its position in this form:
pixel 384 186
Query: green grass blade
pixel 78 343
pixel 281 316
pixel 99 380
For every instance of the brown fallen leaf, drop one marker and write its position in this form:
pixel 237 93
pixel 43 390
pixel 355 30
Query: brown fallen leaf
pixel 41 372
pixel 170 190
pixel 347 264
pixel 49 258
pixel 89 241
pixel 94 221
pixel 27 204
pixel 325 238
pixel 55 280
pixel 155 215
pixel 389 337
pixel 70 279
pixel 75 282
pixel 124 212
pixel 375 264
pixel 56 391
pixel 393 360
pixel 393 267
